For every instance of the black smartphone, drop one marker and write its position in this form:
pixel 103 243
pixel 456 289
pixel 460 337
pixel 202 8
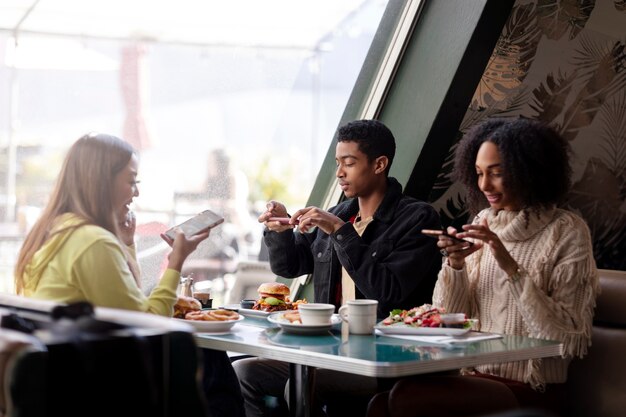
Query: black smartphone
pixel 433 232
pixel 199 223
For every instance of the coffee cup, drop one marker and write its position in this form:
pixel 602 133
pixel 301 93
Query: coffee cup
pixel 360 315
pixel 204 296
pixel 316 313
pixel 453 320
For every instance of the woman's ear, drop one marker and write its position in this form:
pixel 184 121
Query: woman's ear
pixel 380 164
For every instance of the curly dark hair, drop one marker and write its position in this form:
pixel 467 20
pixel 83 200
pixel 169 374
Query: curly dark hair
pixel 535 162
pixel 373 137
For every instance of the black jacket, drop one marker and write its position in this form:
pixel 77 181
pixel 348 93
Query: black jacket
pixel 393 262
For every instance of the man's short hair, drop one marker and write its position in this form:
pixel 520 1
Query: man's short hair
pixel 373 137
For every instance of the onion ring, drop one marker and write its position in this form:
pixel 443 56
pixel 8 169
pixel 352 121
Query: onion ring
pixel 212 315
pixel 223 315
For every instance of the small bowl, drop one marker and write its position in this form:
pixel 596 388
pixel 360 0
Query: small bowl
pixel 453 320
pixel 247 304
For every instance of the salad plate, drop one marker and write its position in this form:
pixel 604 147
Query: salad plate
pixel 299 328
pixel 425 320
pixel 401 328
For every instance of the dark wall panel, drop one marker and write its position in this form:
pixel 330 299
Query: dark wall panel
pixel 562 62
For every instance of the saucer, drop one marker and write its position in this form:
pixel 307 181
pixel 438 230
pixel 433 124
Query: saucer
pixel 304 329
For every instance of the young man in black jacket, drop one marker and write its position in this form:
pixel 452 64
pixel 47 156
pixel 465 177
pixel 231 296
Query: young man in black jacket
pixel 369 246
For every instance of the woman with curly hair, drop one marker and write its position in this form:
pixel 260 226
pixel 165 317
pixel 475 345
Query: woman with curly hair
pixel 530 271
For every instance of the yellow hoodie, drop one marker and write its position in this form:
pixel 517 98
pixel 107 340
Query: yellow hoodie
pixel 87 263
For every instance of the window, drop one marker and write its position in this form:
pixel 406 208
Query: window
pixel 227 110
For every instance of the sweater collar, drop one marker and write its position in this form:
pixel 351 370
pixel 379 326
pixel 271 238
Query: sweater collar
pixel 512 225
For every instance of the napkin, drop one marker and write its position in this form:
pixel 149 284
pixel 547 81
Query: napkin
pixel 468 337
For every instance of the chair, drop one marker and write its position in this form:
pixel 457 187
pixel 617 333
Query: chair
pixel 247 278
pixel 596 384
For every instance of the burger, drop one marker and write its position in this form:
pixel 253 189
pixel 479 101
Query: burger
pixel 273 296
pixel 186 305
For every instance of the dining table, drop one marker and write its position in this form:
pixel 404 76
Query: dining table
pixel 381 355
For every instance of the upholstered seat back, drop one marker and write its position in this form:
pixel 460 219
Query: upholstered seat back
pixel 597 383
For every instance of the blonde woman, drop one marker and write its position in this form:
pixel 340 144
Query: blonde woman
pixel 81 249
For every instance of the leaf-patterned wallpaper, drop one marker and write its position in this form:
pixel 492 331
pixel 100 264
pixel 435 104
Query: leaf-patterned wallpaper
pixel 563 62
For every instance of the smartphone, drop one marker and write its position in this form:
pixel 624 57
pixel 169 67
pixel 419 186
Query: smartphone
pixel 199 223
pixel 282 220
pixel 433 232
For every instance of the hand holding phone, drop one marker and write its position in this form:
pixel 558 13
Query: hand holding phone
pixel 282 220
pixel 436 233
pixel 199 223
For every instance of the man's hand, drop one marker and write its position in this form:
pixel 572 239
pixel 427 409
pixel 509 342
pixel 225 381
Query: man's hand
pixel 275 209
pixel 311 217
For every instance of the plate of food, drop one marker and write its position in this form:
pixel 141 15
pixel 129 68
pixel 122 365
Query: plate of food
pixel 289 321
pixel 273 297
pixel 425 320
pixel 213 321
pixel 189 310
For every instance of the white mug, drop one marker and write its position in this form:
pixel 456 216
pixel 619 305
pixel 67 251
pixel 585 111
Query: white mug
pixel 360 315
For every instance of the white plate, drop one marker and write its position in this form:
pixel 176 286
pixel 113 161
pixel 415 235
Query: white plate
pixel 248 312
pixel 257 314
pixel 213 326
pixel 297 328
pixel 401 328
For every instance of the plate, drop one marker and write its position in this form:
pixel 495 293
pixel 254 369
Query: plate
pixel 212 326
pixel 297 328
pixel 400 328
pixel 257 314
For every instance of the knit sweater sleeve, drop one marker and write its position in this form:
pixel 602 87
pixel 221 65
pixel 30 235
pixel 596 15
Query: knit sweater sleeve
pixel 452 290
pixel 564 309
pixel 103 276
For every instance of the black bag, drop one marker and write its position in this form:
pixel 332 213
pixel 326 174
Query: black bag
pixel 102 369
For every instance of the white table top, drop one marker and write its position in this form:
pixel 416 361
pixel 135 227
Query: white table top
pixel 375 355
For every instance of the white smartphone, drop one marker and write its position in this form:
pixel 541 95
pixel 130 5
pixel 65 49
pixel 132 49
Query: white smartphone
pixel 199 223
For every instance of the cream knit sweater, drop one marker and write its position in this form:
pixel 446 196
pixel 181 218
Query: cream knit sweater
pixel 554 299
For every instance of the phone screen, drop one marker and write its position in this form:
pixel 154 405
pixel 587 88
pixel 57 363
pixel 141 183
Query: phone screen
pixel 199 223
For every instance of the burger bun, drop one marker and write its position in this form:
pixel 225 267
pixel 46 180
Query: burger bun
pixel 273 288
pixel 185 305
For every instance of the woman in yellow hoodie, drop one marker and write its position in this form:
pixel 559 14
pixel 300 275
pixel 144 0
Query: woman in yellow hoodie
pixel 82 249
pixel 82 246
